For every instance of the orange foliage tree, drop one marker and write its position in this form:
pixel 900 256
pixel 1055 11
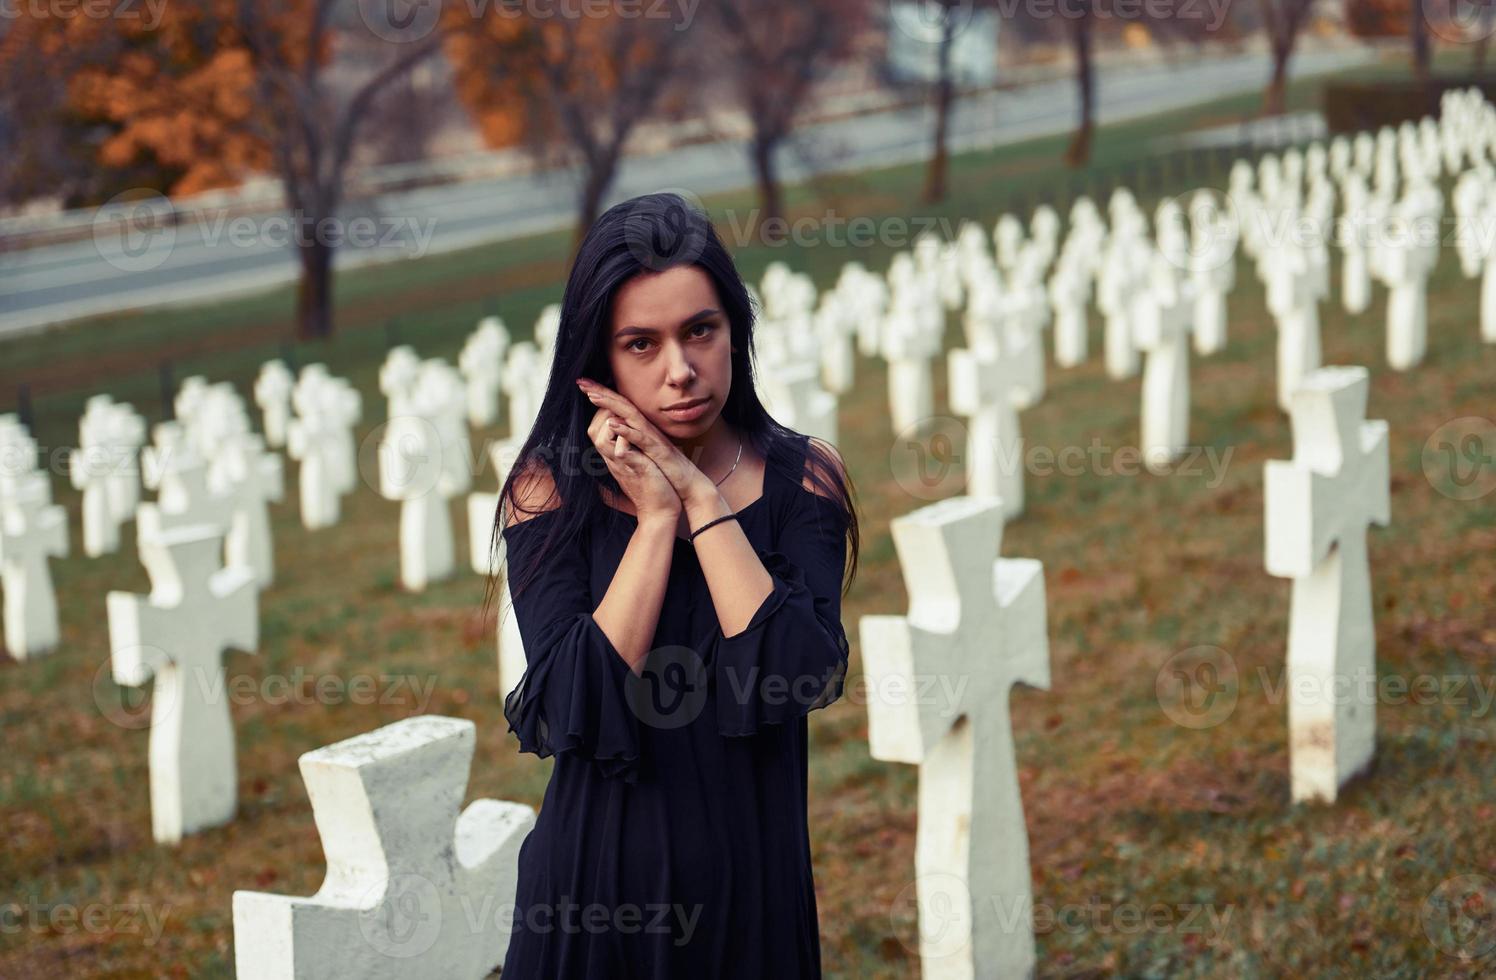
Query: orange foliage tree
pixel 572 89
pixel 216 90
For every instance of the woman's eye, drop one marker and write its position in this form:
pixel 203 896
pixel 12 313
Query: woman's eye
pixel 631 344
pixel 706 326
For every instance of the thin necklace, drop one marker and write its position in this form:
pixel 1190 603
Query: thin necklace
pixel 734 463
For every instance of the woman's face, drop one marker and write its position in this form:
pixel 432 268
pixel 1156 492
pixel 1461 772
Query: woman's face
pixel 672 343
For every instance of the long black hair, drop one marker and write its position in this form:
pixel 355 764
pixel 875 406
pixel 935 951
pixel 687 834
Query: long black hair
pixel 647 234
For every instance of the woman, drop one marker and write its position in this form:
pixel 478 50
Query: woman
pixel 676 559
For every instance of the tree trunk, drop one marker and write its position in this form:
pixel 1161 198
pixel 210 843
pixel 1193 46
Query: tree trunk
pixel 1079 151
pixel 1420 44
pixel 1275 99
pixel 594 189
pixel 770 198
pixel 945 91
pixel 314 293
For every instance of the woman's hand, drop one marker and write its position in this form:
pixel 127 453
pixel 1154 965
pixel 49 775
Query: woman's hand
pixel 640 479
pixel 688 481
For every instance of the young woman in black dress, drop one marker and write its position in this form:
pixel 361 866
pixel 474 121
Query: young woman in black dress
pixel 676 560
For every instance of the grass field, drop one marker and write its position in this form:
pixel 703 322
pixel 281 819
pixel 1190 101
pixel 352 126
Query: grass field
pixel 1124 806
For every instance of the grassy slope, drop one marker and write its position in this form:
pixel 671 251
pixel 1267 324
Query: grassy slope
pixel 1122 804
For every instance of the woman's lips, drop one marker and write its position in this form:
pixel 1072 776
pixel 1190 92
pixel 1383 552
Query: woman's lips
pixel 690 413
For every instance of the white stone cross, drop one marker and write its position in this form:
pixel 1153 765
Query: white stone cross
pixel 321 437
pixel 18 454
pixel 1354 230
pixel 126 432
pixel 313 441
pixel 1025 314
pixel 1214 236
pixel 486 552
pixel 547 326
pixel 986 388
pixel 344 406
pixel 980 620
pixel 32 530
pixel 1069 291
pixel 524 404
pixel 248 478
pixel 482 365
pixel 909 347
pixel 1293 300
pixel 196 610
pixel 1318 507
pixel 397 377
pixel 273 395
pixel 792 393
pixel 416 886
pixel 92 470
pixel 439 397
pixel 1404 262
pixel 1162 323
pixel 1123 265
pixel 410 469
pixel 189 397
pixel 184 496
pixel 832 326
pixel 1007 240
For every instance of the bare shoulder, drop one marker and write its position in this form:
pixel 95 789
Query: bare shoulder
pixel 823 460
pixel 533 494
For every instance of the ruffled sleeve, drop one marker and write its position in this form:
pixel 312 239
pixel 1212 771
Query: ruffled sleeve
pixel 573 695
pixel 792 656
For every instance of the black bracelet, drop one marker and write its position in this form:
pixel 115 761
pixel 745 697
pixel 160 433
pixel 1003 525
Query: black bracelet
pixel 719 520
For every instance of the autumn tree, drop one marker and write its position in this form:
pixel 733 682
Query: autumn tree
pixel 311 125
pixel 222 89
pixel 571 89
pixel 776 51
pixel 1082 45
pixel 1418 30
pixel 48 148
pixel 1282 20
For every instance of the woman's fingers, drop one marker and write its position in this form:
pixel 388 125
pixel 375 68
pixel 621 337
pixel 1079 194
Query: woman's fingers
pixel 597 429
pixel 609 399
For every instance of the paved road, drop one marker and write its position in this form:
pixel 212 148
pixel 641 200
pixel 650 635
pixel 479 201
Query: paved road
pixel 111 271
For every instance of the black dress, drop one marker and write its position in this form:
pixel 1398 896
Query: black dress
pixel 672 841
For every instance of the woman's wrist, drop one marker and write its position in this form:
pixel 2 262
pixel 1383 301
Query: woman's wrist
pixel 705 505
pixel 656 520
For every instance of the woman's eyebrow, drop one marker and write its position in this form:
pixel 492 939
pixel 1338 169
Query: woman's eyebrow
pixel 698 315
